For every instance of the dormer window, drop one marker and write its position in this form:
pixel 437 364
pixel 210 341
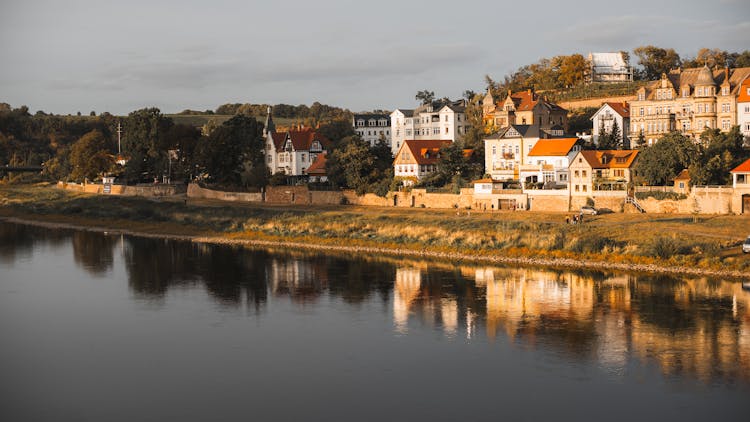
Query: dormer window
pixel 641 96
pixel 360 122
pixel 685 92
pixel 316 146
pixel 725 90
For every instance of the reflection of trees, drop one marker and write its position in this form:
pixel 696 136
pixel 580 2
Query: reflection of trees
pixel 93 251
pixel 19 239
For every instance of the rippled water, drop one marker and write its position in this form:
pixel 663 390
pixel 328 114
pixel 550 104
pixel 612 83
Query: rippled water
pixel 108 327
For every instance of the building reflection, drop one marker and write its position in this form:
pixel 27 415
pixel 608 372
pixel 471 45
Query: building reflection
pixel 691 327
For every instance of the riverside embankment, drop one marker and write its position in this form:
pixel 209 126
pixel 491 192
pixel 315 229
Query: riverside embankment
pixel 669 244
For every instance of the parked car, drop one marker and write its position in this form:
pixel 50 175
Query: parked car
pixel 746 245
pixel 589 210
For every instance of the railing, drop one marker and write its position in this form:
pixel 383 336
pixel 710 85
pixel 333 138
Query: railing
pixel 632 200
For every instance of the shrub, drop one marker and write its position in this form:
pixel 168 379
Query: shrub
pixel 593 243
pixel 661 196
pixel 665 247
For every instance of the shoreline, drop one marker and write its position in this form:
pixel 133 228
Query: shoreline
pixel 561 263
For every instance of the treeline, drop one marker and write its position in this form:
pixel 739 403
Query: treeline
pixel 565 72
pixel 316 112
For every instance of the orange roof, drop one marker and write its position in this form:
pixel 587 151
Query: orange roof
pixel 684 175
pixel 742 168
pixel 301 139
pixel 425 151
pixel 744 94
pixel 623 109
pixel 609 158
pixel 524 100
pixel 547 147
pixel 318 167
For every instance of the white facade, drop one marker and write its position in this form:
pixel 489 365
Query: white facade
pixel 550 168
pixel 606 116
pixel 373 127
pixel 446 123
pixel 284 155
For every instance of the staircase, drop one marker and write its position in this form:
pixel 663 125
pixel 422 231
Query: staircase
pixel 631 200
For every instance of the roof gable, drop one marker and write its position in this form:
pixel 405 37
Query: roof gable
pixel 604 159
pixel 553 147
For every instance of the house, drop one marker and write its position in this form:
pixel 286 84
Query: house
pixel 317 170
pixel 522 108
pixel 743 109
pixel 548 162
pixel 689 101
pixel 609 67
pixel 485 186
pixel 741 185
pixel 682 182
pixel 507 149
pixel 417 159
pixel 293 151
pixel 439 120
pixel 373 127
pixel 609 115
pixel 603 170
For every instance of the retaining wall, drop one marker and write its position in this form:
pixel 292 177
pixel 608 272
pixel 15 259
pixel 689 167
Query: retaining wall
pixel 195 191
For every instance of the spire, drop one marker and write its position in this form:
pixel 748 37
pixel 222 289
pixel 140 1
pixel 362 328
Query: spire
pixel 269 127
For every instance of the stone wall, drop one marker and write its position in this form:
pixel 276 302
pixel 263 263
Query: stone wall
pixel 195 191
pixel 301 195
pixel 145 190
pixel 549 203
pixel 704 200
pixel 368 199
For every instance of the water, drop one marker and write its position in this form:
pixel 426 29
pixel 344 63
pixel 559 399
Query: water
pixel 99 327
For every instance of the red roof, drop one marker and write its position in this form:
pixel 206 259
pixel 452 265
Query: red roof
pixel 524 100
pixel 301 139
pixel 623 109
pixel 425 151
pixel 742 168
pixel 604 159
pixel 550 147
pixel 318 167
pixel 744 94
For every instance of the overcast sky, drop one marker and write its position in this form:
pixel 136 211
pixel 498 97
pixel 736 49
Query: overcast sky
pixel 119 56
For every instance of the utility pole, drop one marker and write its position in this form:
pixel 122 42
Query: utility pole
pixel 119 136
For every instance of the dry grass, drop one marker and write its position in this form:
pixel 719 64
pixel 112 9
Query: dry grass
pixel 674 240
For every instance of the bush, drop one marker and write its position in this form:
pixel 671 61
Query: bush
pixel 660 196
pixel 594 243
pixel 665 247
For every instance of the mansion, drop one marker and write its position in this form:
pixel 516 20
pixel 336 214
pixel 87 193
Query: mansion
pixel 522 108
pixel 292 152
pixel 444 121
pixel 373 127
pixel 689 101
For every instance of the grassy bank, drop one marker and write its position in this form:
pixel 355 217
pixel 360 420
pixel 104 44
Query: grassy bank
pixel 669 242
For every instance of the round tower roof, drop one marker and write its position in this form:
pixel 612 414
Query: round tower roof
pixel 705 77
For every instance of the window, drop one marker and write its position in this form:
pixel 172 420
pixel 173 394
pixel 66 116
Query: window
pixel 725 90
pixel 436 131
pixel 446 118
pixel 685 92
pixel 446 130
pixel 700 92
pixel 725 124
pixel 576 174
pixel 494 150
pixel 725 107
pixel 584 187
pixel 577 188
pixel 583 173
pixel 641 111
pixel 360 122
pixel 641 96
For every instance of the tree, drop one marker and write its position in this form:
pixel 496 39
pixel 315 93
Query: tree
pixel 740 59
pixel 660 163
pixel 720 153
pixel 337 130
pixel 425 96
pixel 609 140
pixel 144 143
pixel 233 155
pixel 571 70
pixel 89 157
pixel 355 165
pixel 656 61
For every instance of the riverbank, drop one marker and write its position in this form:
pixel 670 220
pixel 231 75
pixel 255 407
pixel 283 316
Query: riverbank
pixel 625 242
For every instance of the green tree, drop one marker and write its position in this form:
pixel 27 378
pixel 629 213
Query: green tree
pixel 337 130
pixel 144 143
pixel 425 96
pixel 356 165
pixel 89 157
pixel 656 60
pixel 660 163
pixel 233 155
pixel 609 139
pixel 720 153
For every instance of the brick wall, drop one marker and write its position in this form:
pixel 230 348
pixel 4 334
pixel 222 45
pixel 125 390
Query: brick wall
pixel 195 191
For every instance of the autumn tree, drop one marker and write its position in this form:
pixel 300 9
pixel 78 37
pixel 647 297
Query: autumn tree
pixel 571 70
pixel 89 157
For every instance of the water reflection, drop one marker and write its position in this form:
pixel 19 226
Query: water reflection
pixel 687 327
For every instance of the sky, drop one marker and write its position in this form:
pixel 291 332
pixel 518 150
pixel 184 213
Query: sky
pixel 119 56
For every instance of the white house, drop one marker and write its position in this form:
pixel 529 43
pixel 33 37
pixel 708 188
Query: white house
pixel 506 150
pixel 437 121
pixel 293 151
pixel 609 67
pixel 548 162
pixel 606 117
pixel 373 127
pixel 417 158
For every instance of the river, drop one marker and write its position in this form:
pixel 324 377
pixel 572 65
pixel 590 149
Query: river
pixel 106 327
